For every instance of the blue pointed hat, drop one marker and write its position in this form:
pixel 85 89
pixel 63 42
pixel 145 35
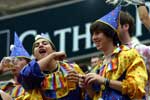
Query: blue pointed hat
pixel 111 19
pixel 18 50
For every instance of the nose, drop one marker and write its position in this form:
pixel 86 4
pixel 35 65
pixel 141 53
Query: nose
pixel 40 44
pixel 93 36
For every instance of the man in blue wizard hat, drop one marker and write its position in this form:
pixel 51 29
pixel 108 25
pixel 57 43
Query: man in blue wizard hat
pixel 18 49
pixel 122 74
pixel 18 58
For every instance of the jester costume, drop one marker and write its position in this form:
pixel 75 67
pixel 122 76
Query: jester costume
pixel 11 88
pixel 50 85
pixel 127 67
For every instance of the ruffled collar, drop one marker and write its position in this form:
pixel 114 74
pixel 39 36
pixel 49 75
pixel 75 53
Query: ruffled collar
pixel 112 65
pixel 57 79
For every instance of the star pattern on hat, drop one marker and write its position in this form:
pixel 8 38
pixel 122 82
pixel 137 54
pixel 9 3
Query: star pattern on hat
pixel 111 18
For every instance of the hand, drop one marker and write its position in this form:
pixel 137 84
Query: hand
pixel 73 76
pixel 135 2
pixel 6 64
pixel 82 81
pixel 126 2
pixel 59 55
pixel 94 78
pixel 114 2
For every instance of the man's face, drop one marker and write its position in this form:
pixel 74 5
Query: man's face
pixel 18 65
pixel 101 40
pixel 42 48
pixel 94 61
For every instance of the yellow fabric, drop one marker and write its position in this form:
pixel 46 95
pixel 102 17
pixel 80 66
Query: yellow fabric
pixel 11 88
pixel 136 75
pixel 31 95
pixel 60 92
pixel 68 86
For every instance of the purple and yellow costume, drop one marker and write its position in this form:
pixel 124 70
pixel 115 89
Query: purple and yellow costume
pixel 14 90
pixel 126 66
pixel 51 86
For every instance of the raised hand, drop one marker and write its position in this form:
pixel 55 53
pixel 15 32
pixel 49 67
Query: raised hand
pixel 125 2
pixel 6 64
pixel 59 55
pixel 114 2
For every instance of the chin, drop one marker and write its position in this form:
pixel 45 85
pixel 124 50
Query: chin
pixel 98 48
pixel 38 58
pixel 43 55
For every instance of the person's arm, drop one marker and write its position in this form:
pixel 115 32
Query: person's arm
pixel 44 62
pixel 33 72
pixel 144 16
pixel 95 78
pixel 117 85
pixel 135 77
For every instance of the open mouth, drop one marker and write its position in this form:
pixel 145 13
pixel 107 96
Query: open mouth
pixel 42 51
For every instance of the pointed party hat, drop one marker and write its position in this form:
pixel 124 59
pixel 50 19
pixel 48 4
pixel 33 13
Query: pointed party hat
pixel 111 19
pixel 18 49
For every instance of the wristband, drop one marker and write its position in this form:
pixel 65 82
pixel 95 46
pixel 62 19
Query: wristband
pixel 106 82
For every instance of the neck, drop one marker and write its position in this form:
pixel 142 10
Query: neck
pixel 126 38
pixel 109 50
pixel 52 66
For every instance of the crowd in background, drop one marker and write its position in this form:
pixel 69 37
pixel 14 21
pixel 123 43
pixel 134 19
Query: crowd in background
pixel 122 73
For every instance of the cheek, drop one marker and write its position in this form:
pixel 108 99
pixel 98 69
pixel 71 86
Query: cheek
pixel 19 63
pixel 35 51
pixel 49 49
pixel 23 63
pixel 93 37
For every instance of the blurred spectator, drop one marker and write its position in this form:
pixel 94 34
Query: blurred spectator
pixel 84 68
pixel 19 57
pixel 126 29
pixel 94 61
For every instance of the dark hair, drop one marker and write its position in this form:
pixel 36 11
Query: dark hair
pixel 126 18
pixel 27 59
pixel 106 29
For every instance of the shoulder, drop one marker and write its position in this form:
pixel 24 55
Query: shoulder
pixel 71 66
pixel 128 53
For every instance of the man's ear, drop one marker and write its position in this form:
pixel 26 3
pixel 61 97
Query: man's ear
pixel 126 26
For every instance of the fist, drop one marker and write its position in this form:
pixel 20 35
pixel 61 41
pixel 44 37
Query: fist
pixel 59 55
